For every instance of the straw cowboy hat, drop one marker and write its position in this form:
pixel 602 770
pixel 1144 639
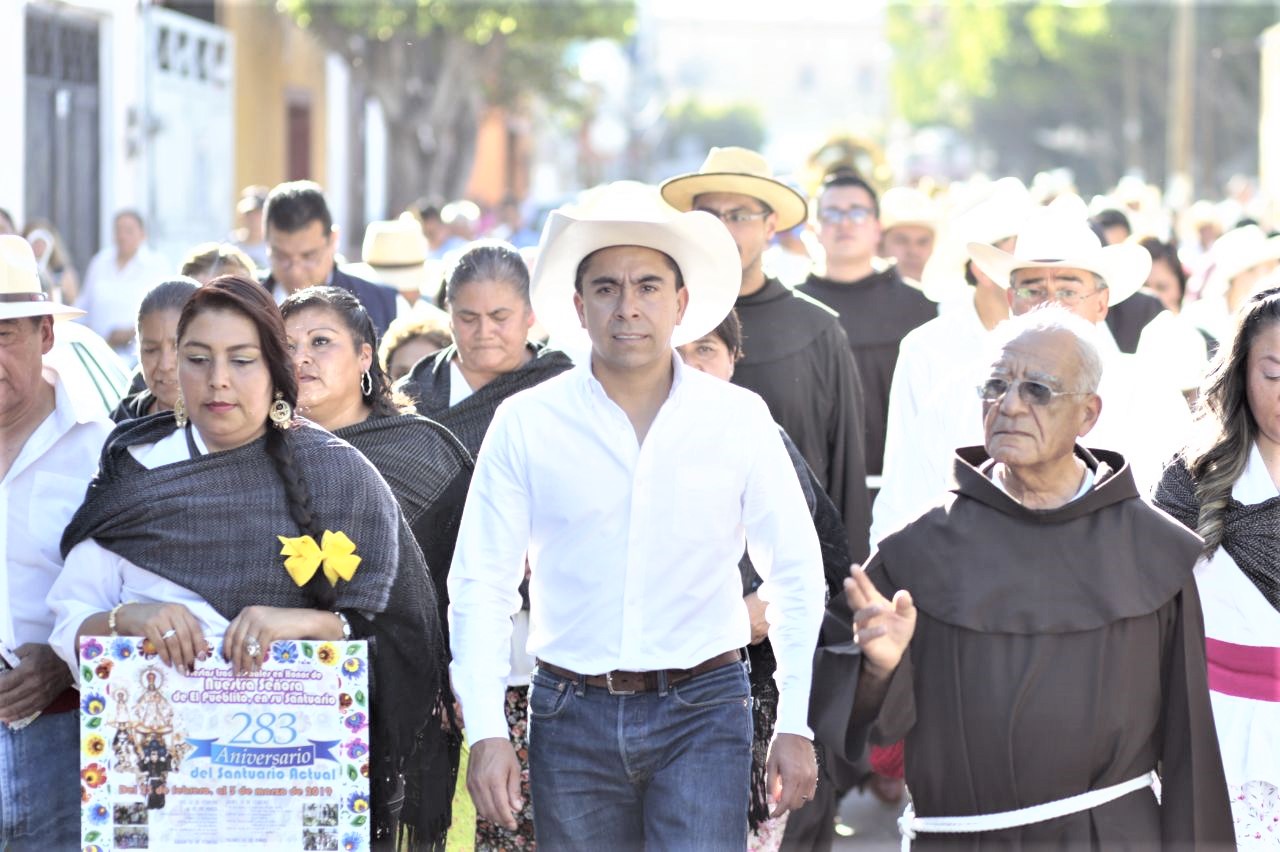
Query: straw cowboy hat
pixel 628 213
pixel 1241 249
pixel 1059 237
pixel 395 253
pixel 741 171
pixel 20 291
pixel 906 205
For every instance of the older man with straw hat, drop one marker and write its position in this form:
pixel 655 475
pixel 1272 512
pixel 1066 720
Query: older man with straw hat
pixel 796 353
pixel 633 483
pixel 50 439
pixel 1056 258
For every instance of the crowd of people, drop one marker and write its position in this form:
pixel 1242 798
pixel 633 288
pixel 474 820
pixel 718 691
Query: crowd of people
pixel 691 512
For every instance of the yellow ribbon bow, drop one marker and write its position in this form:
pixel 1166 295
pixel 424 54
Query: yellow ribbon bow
pixel 336 552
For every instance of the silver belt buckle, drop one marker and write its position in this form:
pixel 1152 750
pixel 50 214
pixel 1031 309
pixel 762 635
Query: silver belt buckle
pixel 608 679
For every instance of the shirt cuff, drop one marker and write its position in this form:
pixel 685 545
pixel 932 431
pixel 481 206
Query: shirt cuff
pixel 793 711
pixel 484 710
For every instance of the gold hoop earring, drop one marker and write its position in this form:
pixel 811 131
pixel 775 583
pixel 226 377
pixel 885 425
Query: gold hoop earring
pixel 366 384
pixel 281 412
pixel 180 412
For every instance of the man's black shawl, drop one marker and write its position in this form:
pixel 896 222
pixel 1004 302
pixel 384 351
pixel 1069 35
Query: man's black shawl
pixel 428 386
pixel 797 358
pixel 210 524
pixel 1055 652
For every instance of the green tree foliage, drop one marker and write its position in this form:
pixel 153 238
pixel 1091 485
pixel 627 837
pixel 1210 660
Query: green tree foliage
pixel 1084 84
pixel 435 66
pixel 694 125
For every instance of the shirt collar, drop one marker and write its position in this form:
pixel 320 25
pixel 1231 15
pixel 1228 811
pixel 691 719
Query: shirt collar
pixel 70 409
pixel 597 391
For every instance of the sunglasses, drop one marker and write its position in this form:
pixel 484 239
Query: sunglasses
pixel 1032 393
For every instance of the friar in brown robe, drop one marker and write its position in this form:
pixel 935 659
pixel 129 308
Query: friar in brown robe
pixel 1045 651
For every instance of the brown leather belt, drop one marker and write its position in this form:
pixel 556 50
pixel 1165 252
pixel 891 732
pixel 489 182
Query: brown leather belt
pixel 630 683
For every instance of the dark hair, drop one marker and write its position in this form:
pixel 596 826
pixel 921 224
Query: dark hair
pixel 251 300
pixel 132 214
pixel 294 205
pixel 586 261
pixel 403 330
pixel 848 177
pixel 170 295
pixel 380 399
pixel 1112 218
pixel 489 261
pixel 730 331
pixel 1230 426
pixel 426 208
pixel 8 217
pixel 1168 252
pixel 211 258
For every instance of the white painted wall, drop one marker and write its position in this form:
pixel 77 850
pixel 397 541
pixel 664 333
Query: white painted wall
pixel 13 93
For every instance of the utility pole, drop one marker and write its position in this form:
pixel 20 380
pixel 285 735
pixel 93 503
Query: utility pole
pixel 1179 143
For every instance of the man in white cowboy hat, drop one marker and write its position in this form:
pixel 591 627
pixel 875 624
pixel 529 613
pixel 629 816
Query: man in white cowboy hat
pixel 50 439
pixel 908 229
pixel 796 353
pixel 395 253
pixel 877 307
pixel 632 483
pixel 1244 260
pixel 1036 638
pixel 1056 258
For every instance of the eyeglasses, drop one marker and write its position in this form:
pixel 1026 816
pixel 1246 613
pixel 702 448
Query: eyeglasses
pixel 736 216
pixel 1066 297
pixel 856 215
pixel 1032 393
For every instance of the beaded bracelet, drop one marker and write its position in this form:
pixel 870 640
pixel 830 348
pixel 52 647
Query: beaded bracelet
pixel 111 618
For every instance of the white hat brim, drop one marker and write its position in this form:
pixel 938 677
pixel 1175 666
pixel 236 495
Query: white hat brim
pixel 789 205
pixel 20 310
pixel 406 279
pixel 1124 266
pixel 699 244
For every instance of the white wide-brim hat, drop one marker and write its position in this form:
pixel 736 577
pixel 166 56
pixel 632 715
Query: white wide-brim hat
pixel 20 291
pixel 1058 236
pixel 1240 250
pixel 906 205
pixel 628 213
pixel 741 171
pixel 989 212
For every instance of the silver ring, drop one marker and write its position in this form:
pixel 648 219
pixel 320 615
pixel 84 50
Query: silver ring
pixel 252 647
pixel 169 634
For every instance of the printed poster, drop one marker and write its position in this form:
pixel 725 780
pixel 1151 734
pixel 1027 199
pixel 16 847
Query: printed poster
pixel 276 761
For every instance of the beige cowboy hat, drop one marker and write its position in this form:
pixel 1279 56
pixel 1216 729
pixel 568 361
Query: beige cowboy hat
pixel 906 205
pixel 395 252
pixel 1239 250
pixel 1058 236
pixel 741 171
pixel 628 213
pixel 20 291
pixel 989 212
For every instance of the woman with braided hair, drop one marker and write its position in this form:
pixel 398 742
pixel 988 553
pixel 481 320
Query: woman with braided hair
pixel 342 387
pixel 177 540
pixel 1226 487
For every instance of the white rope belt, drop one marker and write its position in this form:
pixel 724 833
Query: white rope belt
pixel 909 824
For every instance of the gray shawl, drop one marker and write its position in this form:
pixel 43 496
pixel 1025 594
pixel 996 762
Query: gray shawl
pixel 210 524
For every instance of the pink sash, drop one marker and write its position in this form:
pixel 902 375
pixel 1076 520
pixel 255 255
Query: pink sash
pixel 1245 671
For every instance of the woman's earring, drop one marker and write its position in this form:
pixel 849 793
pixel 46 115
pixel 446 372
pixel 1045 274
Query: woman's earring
pixel 180 412
pixel 281 412
pixel 366 384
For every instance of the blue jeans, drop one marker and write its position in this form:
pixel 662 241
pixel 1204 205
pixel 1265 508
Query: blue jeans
pixel 40 785
pixel 665 770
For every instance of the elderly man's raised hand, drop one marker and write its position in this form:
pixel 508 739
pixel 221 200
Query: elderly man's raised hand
pixel 883 628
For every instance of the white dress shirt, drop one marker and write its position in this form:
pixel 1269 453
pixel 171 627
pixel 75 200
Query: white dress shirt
pixel 41 491
pixel 633 547
pixel 112 295
pixel 94 579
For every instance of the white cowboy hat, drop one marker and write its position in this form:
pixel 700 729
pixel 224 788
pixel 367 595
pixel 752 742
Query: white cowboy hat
pixel 1058 236
pixel 20 291
pixel 741 171
pixel 395 253
pixel 987 213
pixel 905 205
pixel 628 213
pixel 1239 250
